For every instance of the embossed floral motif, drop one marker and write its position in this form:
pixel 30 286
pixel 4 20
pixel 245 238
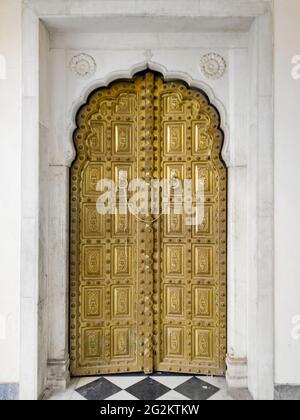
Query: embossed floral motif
pixel 175 301
pixel 123 302
pixel 213 66
pixel 203 303
pixel 93 303
pixel 203 345
pixel 175 342
pixel 203 263
pixel 123 228
pixel 92 344
pixel 83 66
pixel 175 223
pixel 93 262
pixel 175 261
pixel 122 262
pixel 93 221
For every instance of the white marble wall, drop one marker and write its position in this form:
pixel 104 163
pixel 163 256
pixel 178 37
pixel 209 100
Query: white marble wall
pixel 230 94
pixel 287 200
pixel 243 96
pixel 33 267
pixel 44 202
pixel 10 189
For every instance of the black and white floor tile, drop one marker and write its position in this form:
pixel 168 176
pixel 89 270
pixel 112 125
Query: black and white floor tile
pixel 140 387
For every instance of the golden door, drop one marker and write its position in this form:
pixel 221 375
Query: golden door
pixel 148 294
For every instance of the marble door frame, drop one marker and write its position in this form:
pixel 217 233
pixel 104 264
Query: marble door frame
pixel 44 352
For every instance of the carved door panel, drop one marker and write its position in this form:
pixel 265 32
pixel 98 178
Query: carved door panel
pixel 147 293
pixel 190 275
pixel 111 318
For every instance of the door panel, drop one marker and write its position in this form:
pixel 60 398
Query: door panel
pixel 147 293
pixel 110 329
pixel 190 275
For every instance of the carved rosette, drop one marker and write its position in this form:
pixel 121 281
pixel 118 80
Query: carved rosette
pixel 83 66
pixel 213 66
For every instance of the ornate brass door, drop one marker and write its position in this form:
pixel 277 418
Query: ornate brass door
pixel 148 293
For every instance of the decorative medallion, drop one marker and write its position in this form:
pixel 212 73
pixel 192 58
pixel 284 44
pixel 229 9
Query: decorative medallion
pixel 213 66
pixel 83 66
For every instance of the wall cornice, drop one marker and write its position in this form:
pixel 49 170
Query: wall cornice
pixel 209 8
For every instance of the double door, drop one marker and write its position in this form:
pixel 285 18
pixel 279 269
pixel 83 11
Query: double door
pixel 148 291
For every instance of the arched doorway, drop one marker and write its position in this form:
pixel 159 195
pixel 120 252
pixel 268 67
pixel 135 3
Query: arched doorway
pixel 148 293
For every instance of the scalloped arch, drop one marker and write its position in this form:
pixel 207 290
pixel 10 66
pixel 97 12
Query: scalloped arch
pixel 168 76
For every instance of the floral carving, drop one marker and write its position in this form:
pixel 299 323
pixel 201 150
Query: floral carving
pixel 213 66
pixel 83 66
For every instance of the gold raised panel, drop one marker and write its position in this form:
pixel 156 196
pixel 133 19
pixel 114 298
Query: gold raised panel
pixel 122 343
pixel 174 260
pixel 122 225
pixel 174 171
pixel 203 261
pixel 203 302
pixel 202 139
pixel 124 104
pixel 92 174
pixel 93 223
pixel 93 261
pixel 121 171
pixel 92 345
pixel 174 301
pixel 174 225
pixel 122 302
pixel 148 296
pixel 95 139
pixel 206 227
pixel 123 138
pixel 93 308
pixel 173 105
pixel 174 343
pixel 175 138
pixel 203 344
pixel 121 260
pixel 203 172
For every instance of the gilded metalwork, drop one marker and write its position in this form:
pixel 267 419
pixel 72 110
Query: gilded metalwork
pixel 148 295
pixel 107 276
pixel 190 275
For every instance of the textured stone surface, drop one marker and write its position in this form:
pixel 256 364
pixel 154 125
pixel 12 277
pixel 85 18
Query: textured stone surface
pixel 9 392
pixel 287 393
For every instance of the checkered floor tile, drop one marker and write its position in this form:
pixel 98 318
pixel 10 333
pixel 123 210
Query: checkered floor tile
pixel 150 388
pixel 159 387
